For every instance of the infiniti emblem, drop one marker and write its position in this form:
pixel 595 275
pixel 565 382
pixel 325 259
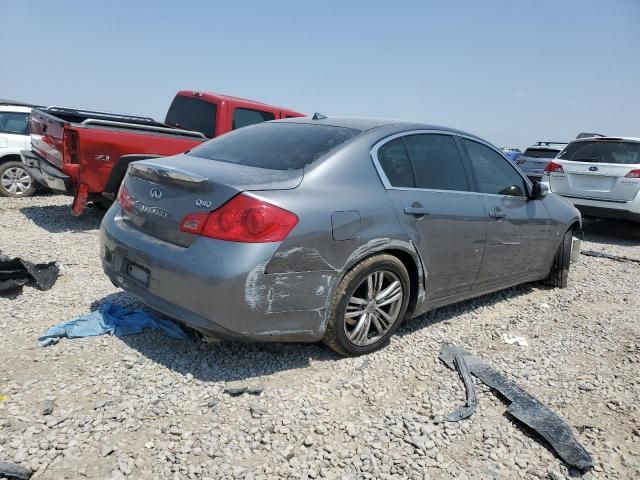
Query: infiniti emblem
pixel 593 169
pixel 155 193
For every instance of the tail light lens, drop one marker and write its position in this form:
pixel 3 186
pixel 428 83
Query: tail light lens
pixel 242 219
pixel 71 147
pixel 124 199
pixel 553 167
pixel 633 174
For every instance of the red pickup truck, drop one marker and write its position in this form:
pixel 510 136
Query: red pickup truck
pixel 86 153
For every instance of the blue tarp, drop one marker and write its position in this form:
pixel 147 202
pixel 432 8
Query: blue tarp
pixel 113 319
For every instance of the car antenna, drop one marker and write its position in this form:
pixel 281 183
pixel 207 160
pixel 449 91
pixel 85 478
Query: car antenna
pixel 318 116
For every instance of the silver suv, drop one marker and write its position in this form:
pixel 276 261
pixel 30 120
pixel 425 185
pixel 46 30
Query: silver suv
pixel 534 158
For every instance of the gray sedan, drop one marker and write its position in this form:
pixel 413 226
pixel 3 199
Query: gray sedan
pixel 332 229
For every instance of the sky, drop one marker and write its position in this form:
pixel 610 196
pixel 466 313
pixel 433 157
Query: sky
pixel 512 72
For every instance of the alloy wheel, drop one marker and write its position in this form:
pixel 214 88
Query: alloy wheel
pixel 16 181
pixel 373 308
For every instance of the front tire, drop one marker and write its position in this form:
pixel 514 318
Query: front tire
pixel 15 181
pixel 559 274
pixel 368 306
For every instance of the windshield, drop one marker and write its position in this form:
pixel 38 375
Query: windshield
pixel 603 152
pixel 190 113
pixel 540 152
pixel 277 146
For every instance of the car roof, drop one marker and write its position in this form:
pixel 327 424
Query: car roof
pixel 367 123
pixel 607 139
pixel 14 108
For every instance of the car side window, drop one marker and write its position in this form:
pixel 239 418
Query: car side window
pixel 14 122
pixel 436 162
pixel 245 116
pixel 494 173
pixel 394 161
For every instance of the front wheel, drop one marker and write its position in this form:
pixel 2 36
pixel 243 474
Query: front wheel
pixel 15 181
pixel 559 274
pixel 368 306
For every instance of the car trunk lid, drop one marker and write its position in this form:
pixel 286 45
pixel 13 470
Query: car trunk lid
pixel 163 191
pixel 601 181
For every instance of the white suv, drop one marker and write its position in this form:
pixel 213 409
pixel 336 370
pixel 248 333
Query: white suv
pixel 14 136
pixel 599 175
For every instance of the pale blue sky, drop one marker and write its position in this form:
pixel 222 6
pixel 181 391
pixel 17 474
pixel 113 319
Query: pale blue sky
pixel 510 71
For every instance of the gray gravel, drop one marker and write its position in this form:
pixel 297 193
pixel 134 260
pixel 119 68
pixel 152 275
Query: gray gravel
pixel 149 407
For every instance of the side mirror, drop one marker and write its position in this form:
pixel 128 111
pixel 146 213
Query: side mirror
pixel 539 191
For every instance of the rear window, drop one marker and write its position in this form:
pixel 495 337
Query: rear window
pixel 193 114
pixel 541 152
pixel 276 146
pixel 602 151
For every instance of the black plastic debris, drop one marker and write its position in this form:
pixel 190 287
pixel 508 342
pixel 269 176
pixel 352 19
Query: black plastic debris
pixel 16 272
pixel 14 472
pixel 523 407
pixel 617 258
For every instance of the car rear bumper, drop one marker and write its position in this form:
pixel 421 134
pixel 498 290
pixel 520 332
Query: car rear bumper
pixel 605 209
pixel 45 174
pixel 218 288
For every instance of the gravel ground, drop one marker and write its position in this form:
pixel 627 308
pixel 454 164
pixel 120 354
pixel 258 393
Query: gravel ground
pixel 149 407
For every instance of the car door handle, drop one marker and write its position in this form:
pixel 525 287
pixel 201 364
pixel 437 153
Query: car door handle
pixel 497 213
pixel 416 211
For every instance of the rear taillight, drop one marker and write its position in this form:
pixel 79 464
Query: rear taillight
pixel 521 161
pixel 71 147
pixel 124 199
pixel 633 174
pixel 553 167
pixel 242 219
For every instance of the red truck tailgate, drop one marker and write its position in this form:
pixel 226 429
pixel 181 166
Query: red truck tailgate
pixel 47 137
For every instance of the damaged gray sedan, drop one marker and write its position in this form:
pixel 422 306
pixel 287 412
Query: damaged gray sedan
pixel 327 229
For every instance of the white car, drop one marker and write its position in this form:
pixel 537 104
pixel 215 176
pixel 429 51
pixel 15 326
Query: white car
pixel 599 175
pixel 15 181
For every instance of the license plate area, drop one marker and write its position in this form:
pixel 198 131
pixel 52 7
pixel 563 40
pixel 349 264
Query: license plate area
pixel 594 183
pixel 136 271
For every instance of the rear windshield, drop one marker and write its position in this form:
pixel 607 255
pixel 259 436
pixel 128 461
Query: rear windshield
pixel 194 114
pixel 602 151
pixel 541 152
pixel 277 146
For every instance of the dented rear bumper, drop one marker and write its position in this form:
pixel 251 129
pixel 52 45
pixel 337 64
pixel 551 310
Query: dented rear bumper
pixel 218 288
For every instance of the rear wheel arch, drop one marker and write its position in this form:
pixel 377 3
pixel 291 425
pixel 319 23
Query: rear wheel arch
pixel 120 168
pixel 11 157
pixel 411 261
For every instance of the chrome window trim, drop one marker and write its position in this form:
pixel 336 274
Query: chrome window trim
pixel 387 185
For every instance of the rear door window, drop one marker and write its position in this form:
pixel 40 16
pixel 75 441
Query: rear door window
pixel 494 173
pixel 394 160
pixel 602 151
pixel 189 113
pixel 14 122
pixel 436 162
pixel 243 117
pixel 276 146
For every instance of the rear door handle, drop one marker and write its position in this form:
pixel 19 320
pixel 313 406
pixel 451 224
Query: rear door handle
pixel 416 211
pixel 497 213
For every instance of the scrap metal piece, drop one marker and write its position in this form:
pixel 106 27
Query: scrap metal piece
pixel 471 403
pixel 525 408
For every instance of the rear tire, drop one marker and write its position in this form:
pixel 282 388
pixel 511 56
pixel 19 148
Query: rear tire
pixel 559 274
pixel 15 181
pixel 368 306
